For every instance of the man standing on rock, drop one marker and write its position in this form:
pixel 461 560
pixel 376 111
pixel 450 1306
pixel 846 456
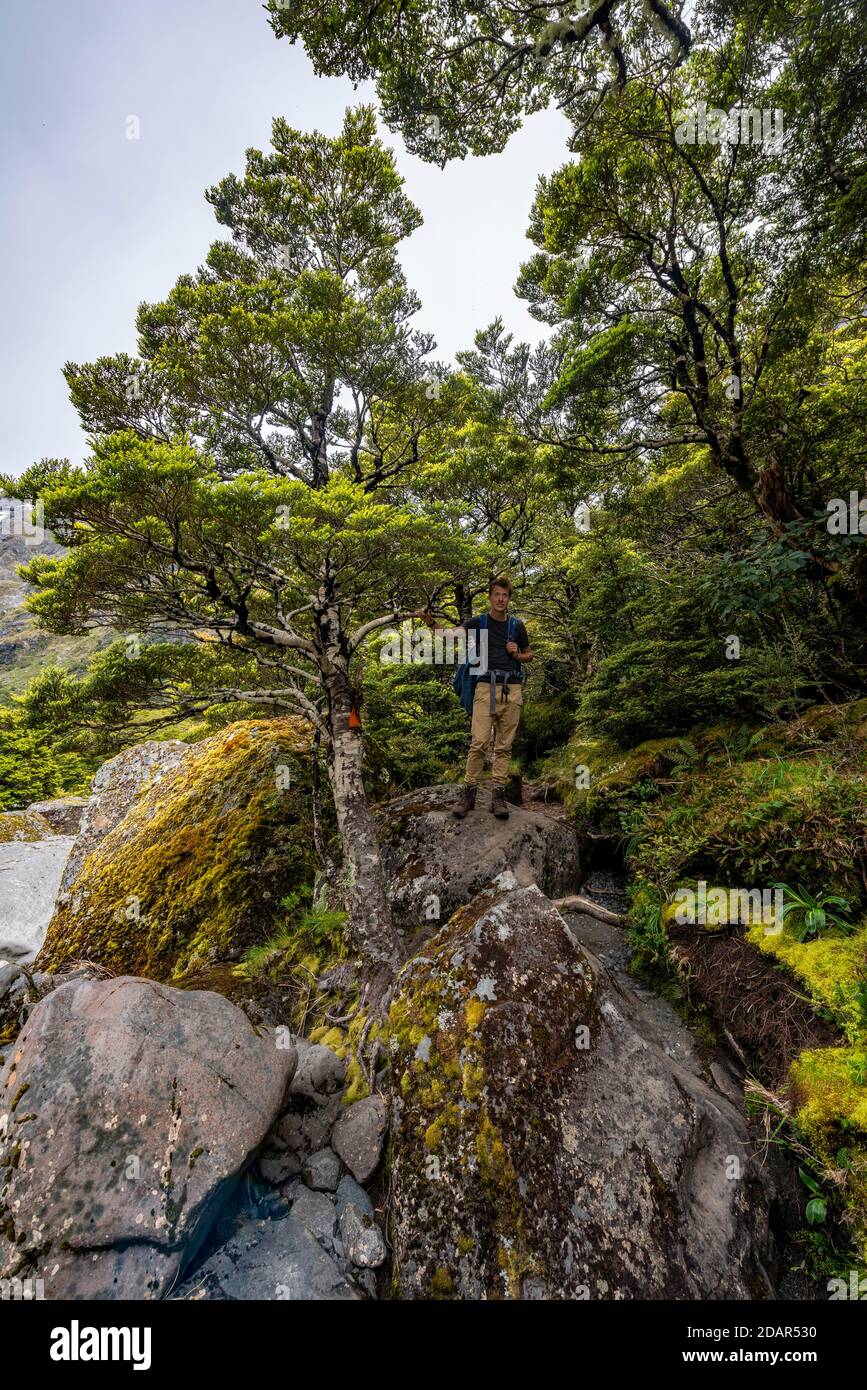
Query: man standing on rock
pixel 498 697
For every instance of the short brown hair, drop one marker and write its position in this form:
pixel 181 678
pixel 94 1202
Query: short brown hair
pixel 501 582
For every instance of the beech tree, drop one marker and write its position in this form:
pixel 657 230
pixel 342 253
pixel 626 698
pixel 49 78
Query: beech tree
pixel 700 300
pixel 251 480
pixel 281 584
pixel 457 77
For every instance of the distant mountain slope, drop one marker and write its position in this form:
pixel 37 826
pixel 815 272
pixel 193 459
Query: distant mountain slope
pixel 24 649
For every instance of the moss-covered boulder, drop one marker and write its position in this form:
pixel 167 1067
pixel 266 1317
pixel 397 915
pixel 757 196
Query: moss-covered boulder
pixel 23 826
pixel 193 872
pixel 544 1143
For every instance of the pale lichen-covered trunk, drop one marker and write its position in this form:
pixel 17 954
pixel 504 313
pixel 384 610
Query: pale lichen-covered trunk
pixel 369 913
pixel 367 904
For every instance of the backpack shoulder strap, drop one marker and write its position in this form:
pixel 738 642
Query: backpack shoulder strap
pixel 483 621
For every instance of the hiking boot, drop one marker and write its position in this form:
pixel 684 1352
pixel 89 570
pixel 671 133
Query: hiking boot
pixel 467 802
pixel 499 805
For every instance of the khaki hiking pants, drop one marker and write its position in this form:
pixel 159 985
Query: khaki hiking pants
pixel 505 721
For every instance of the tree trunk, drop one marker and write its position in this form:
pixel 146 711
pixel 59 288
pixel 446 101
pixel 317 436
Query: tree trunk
pixel 319 841
pixel 369 913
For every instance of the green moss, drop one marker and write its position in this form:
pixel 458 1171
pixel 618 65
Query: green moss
pixel 356 1087
pixel 329 1036
pixel 829 1086
pixel 833 969
pixel 442 1284
pixel 829 1090
pixel 494 1164
pixel 433 1135
pixel 198 866
pixel 19 1094
pixel 23 825
pixel 475 1012
pixel 473 1081
pixel 747 809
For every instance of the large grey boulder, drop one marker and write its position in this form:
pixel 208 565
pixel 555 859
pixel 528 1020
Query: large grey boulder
pixel 435 863
pixel 548 1140
pixel 128 1111
pixel 31 870
pixel 114 788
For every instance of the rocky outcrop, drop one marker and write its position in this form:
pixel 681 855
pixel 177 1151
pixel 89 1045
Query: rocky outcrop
pixel 271 1259
pixel 129 1111
pixel 114 789
pixel 63 813
pixel 185 852
pixel 309 1231
pixel 435 863
pixel 548 1141
pixel 32 860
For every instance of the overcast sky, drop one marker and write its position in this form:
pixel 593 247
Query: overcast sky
pixel 93 222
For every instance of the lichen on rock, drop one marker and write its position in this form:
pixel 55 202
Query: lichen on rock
pixel 544 1144
pixel 194 872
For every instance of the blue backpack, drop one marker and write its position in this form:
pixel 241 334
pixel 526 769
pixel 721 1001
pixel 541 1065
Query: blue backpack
pixel 465 681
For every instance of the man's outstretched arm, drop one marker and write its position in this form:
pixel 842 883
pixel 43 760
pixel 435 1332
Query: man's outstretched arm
pixel 428 618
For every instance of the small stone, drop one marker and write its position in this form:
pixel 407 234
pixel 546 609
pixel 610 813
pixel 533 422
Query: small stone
pixel 317 1214
pixel 277 1168
pixel 320 1072
pixel 367 1279
pixel 308 1125
pixel 359 1136
pixel 362 1239
pixel 348 1190
pixel 322 1170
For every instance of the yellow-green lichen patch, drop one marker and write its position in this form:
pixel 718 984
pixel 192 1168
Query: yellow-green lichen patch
pixel 465 1068
pixel 475 1012
pixel 197 868
pixel 23 825
pixel 442 1284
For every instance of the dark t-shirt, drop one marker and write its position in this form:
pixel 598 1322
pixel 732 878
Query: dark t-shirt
pixel 498 635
